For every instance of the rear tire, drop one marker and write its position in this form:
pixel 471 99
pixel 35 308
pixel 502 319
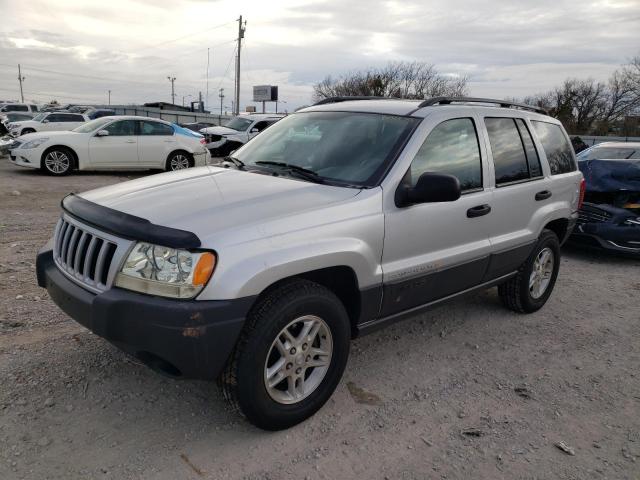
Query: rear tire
pixel 179 161
pixel 530 289
pixel 273 347
pixel 57 161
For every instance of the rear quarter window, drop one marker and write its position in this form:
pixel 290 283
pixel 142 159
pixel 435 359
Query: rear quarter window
pixel 556 146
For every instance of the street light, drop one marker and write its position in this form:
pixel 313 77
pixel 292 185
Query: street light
pixel 185 96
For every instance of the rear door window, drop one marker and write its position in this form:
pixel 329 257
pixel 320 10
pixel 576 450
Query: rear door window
pixel 556 146
pixel 533 160
pixel 155 128
pixel 509 156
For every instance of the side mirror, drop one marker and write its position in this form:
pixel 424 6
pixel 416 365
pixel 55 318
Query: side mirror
pixel 254 130
pixel 431 188
pixel 45 121
pixel 102 133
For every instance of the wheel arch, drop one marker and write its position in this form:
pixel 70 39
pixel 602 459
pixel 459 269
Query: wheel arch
pixel 74 154
pixel 341 280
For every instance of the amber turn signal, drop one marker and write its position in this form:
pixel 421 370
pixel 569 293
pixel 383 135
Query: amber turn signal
pixel 204 268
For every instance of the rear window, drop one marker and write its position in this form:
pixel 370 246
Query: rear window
pixel 556 146
pixel 608 153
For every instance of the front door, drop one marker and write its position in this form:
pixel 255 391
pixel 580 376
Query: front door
pixel 119 149
pixel 433 250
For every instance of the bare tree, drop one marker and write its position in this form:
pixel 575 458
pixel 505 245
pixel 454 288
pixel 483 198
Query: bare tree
pixel 588 106
pixel 416 80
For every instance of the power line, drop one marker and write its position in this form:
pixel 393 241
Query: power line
pixel 181 38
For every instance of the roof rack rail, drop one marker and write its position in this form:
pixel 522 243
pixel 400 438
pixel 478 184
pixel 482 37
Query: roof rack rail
pixel 503 103
pixel 324 101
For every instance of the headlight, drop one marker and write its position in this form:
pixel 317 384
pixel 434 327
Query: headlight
pixel 167 272
pixel 632 221
pixel 35 143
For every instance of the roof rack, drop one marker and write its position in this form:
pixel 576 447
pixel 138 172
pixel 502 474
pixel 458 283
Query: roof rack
pixel 503 103
pixel 324 101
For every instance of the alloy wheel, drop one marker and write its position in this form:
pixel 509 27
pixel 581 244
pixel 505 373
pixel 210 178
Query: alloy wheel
pixel 57 162
pixel 179 162
pixel 541 273
pixel 298 359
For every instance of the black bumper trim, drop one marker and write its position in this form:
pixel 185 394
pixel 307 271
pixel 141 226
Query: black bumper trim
pixel 127 226
pixel 194 337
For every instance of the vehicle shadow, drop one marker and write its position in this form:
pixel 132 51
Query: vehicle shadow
pixel 596 255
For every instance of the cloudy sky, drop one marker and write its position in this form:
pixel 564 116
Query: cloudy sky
pixel 75 51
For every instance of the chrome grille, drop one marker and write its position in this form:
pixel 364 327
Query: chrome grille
pixel 87 256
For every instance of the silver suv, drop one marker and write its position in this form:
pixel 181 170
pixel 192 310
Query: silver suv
pixel 339 219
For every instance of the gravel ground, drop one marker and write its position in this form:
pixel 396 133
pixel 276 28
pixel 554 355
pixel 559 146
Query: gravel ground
pixel 467 390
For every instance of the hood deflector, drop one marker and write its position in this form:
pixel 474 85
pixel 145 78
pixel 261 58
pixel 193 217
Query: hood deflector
pixel 127 226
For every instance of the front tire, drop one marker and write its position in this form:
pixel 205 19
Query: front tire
pixel 179 161
pixel 530 289
pixel 57 161
pixel 290 356
pixel 27 130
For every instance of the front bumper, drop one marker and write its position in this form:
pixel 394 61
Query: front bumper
pixel 28 157
pixel 187 339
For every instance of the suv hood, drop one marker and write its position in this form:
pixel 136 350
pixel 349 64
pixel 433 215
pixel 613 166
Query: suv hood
pixel 210 200
pixel 219 131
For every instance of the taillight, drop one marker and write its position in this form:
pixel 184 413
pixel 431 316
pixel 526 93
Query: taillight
pixel 583 188
pixel 203 141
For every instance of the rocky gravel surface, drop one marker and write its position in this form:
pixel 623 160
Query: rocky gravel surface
pixel 469 390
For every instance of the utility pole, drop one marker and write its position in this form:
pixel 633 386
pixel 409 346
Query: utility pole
pixel 207 95
pixel 20 79
pixel 109 96
pixel 173 93
pixel 241 29
pixel 221 95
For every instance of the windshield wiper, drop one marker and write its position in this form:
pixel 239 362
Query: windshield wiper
pixel 236 161
pixel 303 172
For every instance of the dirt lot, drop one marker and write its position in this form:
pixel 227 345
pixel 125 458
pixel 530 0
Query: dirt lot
pixel 467 391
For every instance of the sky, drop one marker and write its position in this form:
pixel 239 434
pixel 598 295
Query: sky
pixel 75 51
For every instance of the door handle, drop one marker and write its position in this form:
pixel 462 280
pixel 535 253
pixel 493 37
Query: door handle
pixel 478 211
pixel 543 195
pixel 130 141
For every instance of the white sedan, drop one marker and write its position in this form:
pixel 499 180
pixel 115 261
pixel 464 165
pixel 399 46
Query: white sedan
pixel 112 143
pixel 47 122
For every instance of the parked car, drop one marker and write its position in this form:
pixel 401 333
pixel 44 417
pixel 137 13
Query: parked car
pixel 223 140
pixel 13 117
pixel 197 126
pixel 112 143
pixel 337 220
pixel 610 216
pixel 79 108
pixel 611 151
pixel 99 113
pixel 18 107
pixel 47 122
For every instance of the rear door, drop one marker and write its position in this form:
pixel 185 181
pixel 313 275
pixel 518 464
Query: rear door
pixel 119 149
pixel 433 250
pixel 521 191
pixel 155 143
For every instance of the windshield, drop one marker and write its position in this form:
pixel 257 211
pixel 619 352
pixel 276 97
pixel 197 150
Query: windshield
pixel 344 147
pixel 609 153
pixel 39 117
pixel 239 123
pixel 92 125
